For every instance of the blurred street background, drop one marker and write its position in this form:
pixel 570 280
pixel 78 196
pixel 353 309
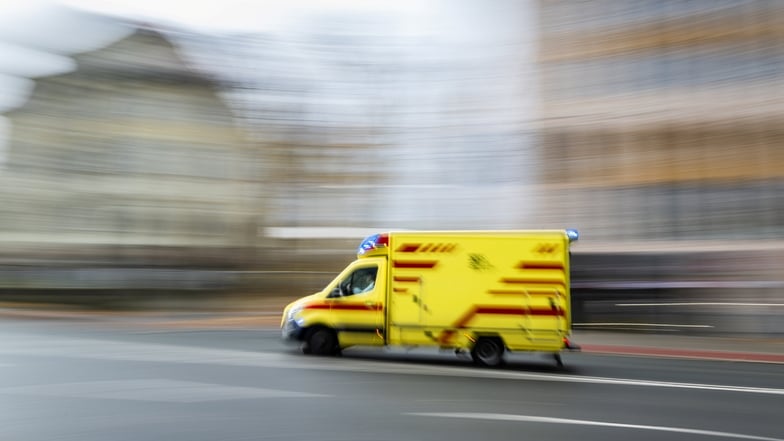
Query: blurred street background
pixel 234 154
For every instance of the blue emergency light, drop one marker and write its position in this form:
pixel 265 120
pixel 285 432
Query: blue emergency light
pixel 572 234
pixel 373 242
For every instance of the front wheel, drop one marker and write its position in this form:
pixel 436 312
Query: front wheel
pixel 321 341
pixel 488 352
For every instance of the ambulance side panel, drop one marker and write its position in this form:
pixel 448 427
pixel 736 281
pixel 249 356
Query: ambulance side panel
pixel 448 289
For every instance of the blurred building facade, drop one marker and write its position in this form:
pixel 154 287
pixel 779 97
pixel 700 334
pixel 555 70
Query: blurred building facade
pixel 663 119
pixel 365 124
pixel 641 121
pixel 633 121
pixel 130 160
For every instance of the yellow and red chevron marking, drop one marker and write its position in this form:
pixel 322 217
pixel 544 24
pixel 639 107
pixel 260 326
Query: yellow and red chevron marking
pixel 427 248
pixel 547 248
pixel 535 265
pixel 556 279
pixel 476 310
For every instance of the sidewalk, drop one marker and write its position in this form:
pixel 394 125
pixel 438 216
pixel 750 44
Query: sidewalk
pixel 763 350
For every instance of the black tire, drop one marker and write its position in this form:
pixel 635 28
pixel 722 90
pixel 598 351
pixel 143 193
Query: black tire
pixel 320 341
pixel 488 351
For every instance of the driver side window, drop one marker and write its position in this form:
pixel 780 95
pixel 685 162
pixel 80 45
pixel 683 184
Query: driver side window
pixel 361 281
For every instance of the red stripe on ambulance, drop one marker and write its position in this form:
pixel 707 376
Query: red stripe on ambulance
pixel 423 264
pixel 522 292
pixel 407 279
pixel 541 265
pixel 408 248
pixel 346 306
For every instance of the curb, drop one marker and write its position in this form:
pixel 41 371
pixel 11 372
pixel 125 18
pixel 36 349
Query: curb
pixel 757 357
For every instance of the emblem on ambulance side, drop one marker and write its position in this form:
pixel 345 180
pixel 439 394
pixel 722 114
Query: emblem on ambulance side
pixel 479 262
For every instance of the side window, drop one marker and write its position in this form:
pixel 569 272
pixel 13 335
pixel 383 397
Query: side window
pixel 360 281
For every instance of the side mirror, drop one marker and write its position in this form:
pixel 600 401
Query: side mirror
pixel 335 292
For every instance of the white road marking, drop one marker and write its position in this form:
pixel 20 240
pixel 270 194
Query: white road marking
pixel 159 390
pixel 660 325
pixel 602 380
pixel 550 420
pixel 160 353
pixel 701 304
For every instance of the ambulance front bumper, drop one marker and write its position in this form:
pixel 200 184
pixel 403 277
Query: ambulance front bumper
pixel 291 331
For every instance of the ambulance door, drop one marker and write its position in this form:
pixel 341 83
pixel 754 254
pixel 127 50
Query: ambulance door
pixel 357 303
pixel 406 309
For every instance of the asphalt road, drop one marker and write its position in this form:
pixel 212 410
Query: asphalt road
pixel 77 381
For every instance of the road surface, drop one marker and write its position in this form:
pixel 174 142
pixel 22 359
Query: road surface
pixel 65 380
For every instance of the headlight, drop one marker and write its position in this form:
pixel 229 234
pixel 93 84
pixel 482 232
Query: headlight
pixel 293 312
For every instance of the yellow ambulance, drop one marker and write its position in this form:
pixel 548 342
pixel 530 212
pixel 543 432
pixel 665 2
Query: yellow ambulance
pixel 482 292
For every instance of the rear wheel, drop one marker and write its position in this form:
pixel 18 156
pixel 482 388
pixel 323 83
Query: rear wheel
pixel 488 351
pixel 321 341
